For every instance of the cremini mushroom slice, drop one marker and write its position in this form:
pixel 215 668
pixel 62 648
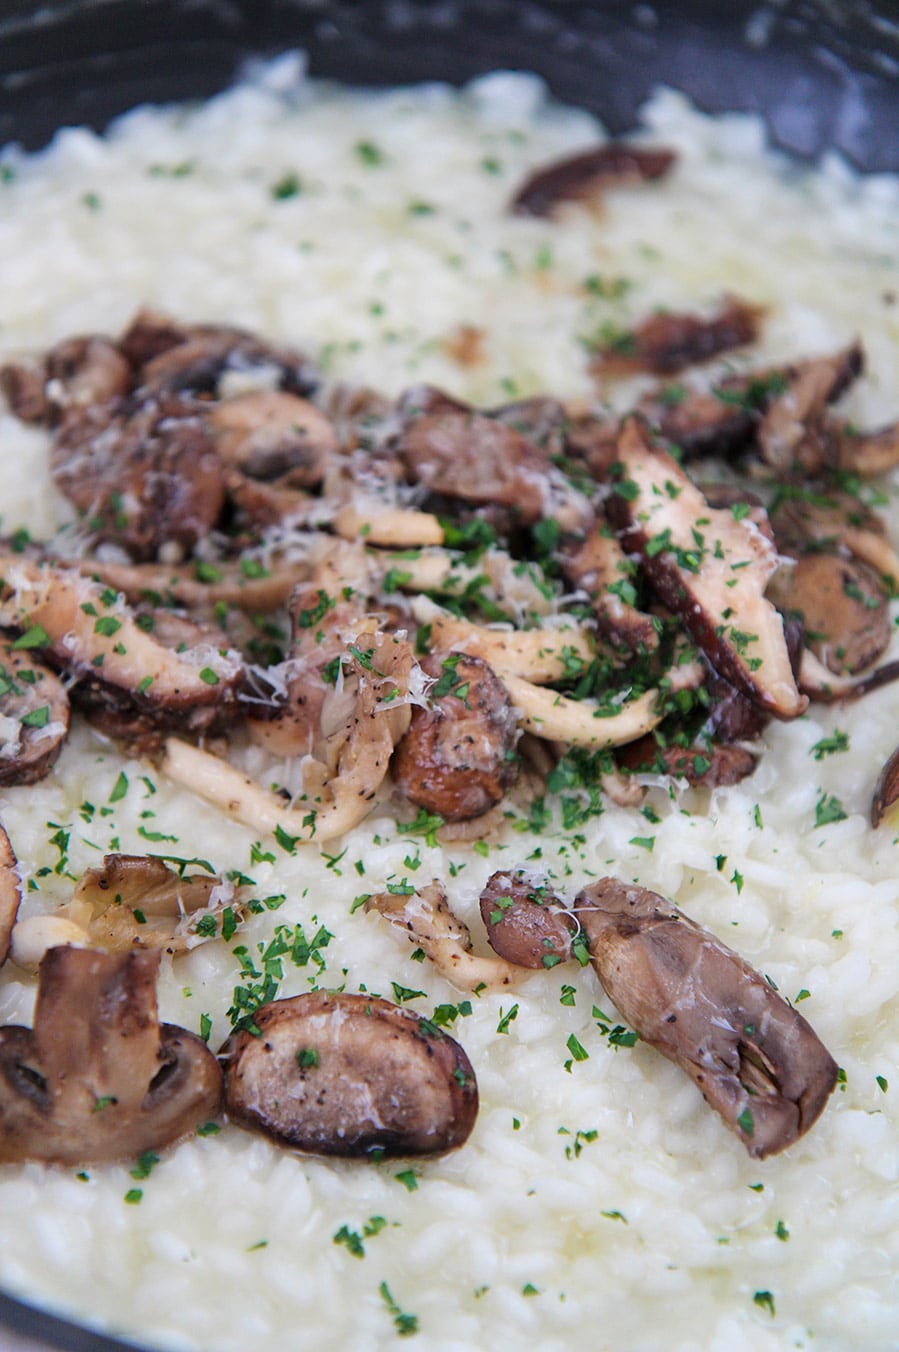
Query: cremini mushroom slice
pixel 868 453
pixel 98 1077
pixel 666 343
pixel 336 1074
pixel 754 1058
pixel 10 893
pixel 95 635
pixel 525 921
pixel 76 372
pixel 843 608
pixel 886 791
pixel 709 566
pixel 823 686
pixel 585 176
pixel 428 922
pixel 34 716
pixel 137 901
pixel 458 756
pixel 272 435
pixel 813 519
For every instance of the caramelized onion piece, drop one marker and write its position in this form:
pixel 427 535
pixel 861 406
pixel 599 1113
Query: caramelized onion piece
pixel 754 1058
pixel 10 893
pixel 336 1074
pixel 709 567
pixel 99 1078
pixel 525 924
pixel 584 176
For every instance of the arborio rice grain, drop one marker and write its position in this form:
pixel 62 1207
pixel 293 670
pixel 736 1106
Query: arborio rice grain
pixel 599 1203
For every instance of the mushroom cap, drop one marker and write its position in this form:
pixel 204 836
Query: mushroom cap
pixel 336 1074
pixel 98 1077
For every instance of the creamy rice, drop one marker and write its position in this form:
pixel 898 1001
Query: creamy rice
pixel 599 1203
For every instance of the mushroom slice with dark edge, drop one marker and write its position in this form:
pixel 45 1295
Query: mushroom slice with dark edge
pixel 525 921
pixel 844 610
pixel 599 566
pixel 338 1074
pixel 792 434
pixel 584 176
pixel 34 716
pixel 709 566
pixel 73 374
pixel 868 453
pixel 886 790
pixel 273 436
pixel 99 1078
pixel 809 520
pixel 667 342
pixel 458 756
pixel 10 893
pixel 757 1062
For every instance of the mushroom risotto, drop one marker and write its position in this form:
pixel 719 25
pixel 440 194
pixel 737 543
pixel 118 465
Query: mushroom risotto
pixel 447 605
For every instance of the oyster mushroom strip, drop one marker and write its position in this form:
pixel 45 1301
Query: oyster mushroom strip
pixel 91 632
pixel 542 655
pixel 10 893
pixel 375 724
pixel 131 901
pixel 336 1074
pixel 709 566
pixel 755 1059
pixel 792 433
pixel 587 722
pixel 497 578
pixel 584 176
pixel 428 922
pixel 400 527
pixel 34 716
pixel 247 583
pixel 98 1077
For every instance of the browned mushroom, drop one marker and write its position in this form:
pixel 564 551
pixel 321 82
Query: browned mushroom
pixel 34 716
pixel 584 176
pixel 75 373
pixel 886 790
pixel 458 756
pixel 814 518
pixel 708 765
pixel 754 1058
pixel 709 566
pixel 598 565
pixel 337 1074
pixel 844 610
pixel 667 342
pixel 868 453
pixel 143 473
pixel 525 922
pixel 271 435
pixel 467 455
pixel 792 434
pixel 10 893
pixel 204 357
pixel 99 1078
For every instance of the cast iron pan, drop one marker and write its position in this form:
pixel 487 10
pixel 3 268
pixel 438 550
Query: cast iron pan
pixel 823 73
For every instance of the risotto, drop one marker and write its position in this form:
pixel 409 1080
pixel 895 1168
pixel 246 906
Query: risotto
pixel 598 1203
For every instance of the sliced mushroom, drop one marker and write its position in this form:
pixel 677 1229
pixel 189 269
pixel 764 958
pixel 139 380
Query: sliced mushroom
pixel 707 766
pixel 34 717
pixel 709 566
pixel 667 343
pixel 458 756
pixel 248 583
pixel 583 177
pixel 541 655
pixel 143 473
pixel 525 922
pixel 478 459
pixel 599 566
pixel 868 453
pixel 99 1078
pixel 10 893
pixel 886 791
pixel 97 638
pixel 213 359
pixel 810 519
pixel 844 610
pixel 336 1074
pixel 270 435
pixel 428 922
pixel 791 434
pixel 73 374
pixel 754 1058
pixel 137 901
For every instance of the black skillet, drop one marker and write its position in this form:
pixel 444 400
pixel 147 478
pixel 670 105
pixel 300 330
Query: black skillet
pixel 824 74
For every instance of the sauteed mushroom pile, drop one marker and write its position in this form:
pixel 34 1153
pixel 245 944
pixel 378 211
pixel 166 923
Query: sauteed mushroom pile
pixel 448 606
